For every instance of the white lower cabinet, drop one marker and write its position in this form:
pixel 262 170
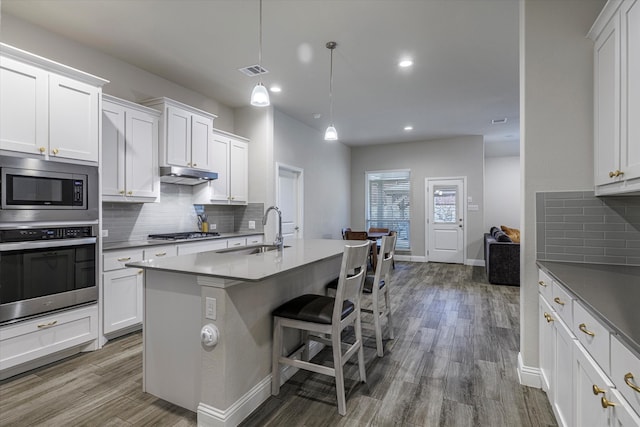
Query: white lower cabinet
pixel 255 240
pixel 203 246
pixel 122 299
pixel 33 339
pixel 590 376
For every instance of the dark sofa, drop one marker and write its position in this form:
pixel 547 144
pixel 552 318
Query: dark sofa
pixel 501 258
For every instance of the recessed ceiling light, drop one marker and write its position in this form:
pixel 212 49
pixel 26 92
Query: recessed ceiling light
pixel 404 63
pixel 408 128
pixel 275 89
pixel 317 115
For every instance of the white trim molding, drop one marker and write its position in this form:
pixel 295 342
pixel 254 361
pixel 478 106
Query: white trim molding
pixel 209 416
pixel 528 375
pixel 474 262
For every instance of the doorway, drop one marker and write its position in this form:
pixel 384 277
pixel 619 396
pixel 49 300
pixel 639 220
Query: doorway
pixel 445 207
pixel 290 200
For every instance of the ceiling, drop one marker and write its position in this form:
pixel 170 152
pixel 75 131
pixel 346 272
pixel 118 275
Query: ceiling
pixel 465 54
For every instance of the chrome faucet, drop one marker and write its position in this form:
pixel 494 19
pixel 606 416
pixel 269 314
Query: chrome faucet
pixel 279 243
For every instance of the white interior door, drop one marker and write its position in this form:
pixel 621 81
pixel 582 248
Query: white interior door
pixel 289 199
pixel 445 229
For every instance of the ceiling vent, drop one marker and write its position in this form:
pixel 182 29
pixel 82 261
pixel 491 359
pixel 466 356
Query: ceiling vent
pixel 253 70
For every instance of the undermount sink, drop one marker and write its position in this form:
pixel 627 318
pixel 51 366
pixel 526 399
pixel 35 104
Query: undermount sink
pixel 250 250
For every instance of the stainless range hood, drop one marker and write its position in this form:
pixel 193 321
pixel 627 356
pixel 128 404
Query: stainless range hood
pixel 185 176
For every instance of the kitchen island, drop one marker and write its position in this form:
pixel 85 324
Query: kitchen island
pixel 235 292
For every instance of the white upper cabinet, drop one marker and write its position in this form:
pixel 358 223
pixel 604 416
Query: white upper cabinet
pixel 230 160
pixel 616 34
pixel 185 134
pixel 129 152
pixel 48 109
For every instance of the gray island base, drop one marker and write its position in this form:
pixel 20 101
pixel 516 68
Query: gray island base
pixel 226 382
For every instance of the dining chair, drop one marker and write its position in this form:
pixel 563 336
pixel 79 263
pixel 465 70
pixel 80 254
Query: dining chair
pixel 362 235
pixel 378 230
pixel 344 233
pixel 329 316
pixel 394 233
pixel 379 292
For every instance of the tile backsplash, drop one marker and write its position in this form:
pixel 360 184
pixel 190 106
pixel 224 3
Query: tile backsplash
pixel 577 226
pixel 174 213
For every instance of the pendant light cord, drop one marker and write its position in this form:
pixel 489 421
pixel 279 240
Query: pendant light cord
pixel 331 46
pixel 260 44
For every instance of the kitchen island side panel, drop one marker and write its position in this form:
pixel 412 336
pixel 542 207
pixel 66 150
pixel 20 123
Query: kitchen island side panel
pixel 242 357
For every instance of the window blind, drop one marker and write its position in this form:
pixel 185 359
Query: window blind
pixel 388 203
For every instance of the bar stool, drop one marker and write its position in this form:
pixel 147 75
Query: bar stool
pixel 382 278
pixel 329 316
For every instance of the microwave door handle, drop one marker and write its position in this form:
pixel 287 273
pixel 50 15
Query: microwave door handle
pixel 43 244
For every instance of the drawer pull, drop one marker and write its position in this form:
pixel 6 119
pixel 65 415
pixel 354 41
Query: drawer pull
pixel 606 403
pixel 558 301
pixel 627 380
pixel 161 254
pixel 124 259
pixel 548 317
pixel 597 390
pixel 541 283
pixel 584 329
pixel 237 244
pixel 47 325
pixel 140 271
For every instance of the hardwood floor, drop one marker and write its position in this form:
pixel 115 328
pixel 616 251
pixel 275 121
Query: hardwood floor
pixel 453 363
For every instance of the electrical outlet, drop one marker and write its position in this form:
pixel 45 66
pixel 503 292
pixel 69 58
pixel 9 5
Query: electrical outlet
pixel 105 233
pixel 252 225
pixel 210 308
pixel 212 226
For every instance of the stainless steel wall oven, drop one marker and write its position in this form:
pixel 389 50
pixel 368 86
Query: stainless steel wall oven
pixel 46 268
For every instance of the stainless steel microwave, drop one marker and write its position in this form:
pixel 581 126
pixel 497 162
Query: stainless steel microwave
pixel 42 190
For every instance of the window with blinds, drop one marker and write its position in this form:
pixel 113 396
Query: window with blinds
pixel 388 203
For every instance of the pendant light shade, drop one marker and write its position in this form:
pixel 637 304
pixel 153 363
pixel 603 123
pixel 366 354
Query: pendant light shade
pixel 260 95
pixel 331 134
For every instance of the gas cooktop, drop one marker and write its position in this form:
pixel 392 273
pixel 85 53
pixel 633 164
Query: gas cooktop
pixel 183 235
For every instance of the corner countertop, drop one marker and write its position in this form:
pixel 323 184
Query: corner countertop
pixel 108 246
pixel 250 268
pixel 610 292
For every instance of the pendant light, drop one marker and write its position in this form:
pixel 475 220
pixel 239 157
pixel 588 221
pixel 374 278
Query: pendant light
pixel 260 95
pixel 331 134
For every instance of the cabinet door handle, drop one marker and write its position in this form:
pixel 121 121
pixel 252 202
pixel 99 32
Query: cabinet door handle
pixel 124 259
pixel 47 325
pixel 121 191
pixel 548 317
pixel 584 329
pixel 55 151
pixel 597 390
pixel 195 164
pixel 606 403
pixel 161 254
pixel 541 283
pixel 237 244
pixel 627 380
pixel 558 301
pixel 42 150
pixel 140 271
pixel 130 193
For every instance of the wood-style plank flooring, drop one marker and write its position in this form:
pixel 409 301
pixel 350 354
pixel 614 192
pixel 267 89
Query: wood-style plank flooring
pixel 453 363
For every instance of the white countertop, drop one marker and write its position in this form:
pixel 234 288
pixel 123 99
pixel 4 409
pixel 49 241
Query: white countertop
pixel 249 268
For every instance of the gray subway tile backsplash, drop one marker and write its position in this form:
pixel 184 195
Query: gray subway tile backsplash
pixel 174 213
pixel 580 227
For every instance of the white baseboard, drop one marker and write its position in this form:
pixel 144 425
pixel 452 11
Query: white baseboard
pixel 475 262
pixel 410 258
pixel 528 375
pixel 209 416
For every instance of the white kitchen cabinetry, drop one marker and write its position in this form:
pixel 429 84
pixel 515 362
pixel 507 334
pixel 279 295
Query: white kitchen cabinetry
pixel 255 240
pixel 616 34
pixel 26 341
pixel 575 359
pixel 185 134
pixel 129 152
pixel 230 154
pixel 160 251
pixel 48 109
pixel 202 246
pixel 122 295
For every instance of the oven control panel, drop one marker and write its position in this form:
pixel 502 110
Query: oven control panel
pixel 34 234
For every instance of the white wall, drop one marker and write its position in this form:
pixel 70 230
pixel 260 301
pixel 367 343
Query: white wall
pixel 501 192
pixel 125 80
pixel 327 167
pixel 463 156
pixel 556 121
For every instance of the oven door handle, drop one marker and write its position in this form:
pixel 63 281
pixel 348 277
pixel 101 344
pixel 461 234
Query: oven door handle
pixel 43 244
